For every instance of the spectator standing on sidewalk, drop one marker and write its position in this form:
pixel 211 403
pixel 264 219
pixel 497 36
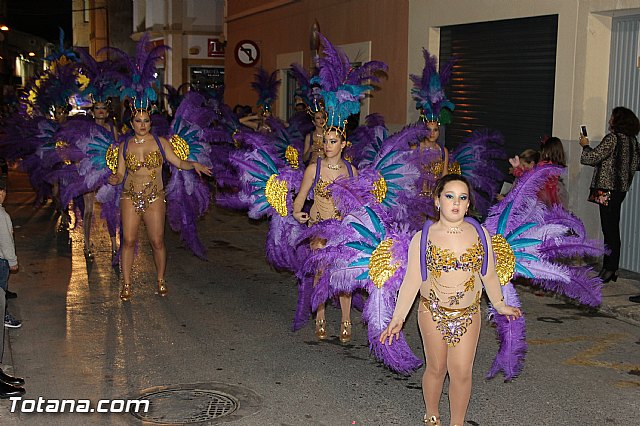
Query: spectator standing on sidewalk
pixel 9 386
pixel 615 161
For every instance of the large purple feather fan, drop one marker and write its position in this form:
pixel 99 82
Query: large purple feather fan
pixel 351 194
pixel 512 339
pixel 188 198
pixel 283 246
pixel 160 125
pixel 523 197
pixel 193 109
pixel 478 156
pixel 366 140
pixel 109 198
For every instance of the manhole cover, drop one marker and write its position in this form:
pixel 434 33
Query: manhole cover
pixel 197 403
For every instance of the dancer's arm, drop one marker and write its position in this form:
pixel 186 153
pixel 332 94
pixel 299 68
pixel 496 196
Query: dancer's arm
pixel 408 291
pixel 183 164
pixel 305 187
pixel 306 153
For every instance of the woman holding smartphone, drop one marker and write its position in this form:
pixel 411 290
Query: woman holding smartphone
pixel 615 161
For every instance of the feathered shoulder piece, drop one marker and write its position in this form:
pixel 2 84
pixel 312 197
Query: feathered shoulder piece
pixel 141 78
pixel 101 78
pixel 266 86
pixel 342 86
pixel 428 90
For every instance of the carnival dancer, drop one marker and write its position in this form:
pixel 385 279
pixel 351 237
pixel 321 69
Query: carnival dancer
pixel 100 89
pixel 475 158
pixel 342 89
pixel 140 160
pixel 317 177
pixel 450 288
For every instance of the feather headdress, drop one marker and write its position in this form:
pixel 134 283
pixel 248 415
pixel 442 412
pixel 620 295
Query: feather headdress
pixel 139 83
pixel 266 86
pixel 309 93
pixel 428 90
pixel 102 78
pixel 343 86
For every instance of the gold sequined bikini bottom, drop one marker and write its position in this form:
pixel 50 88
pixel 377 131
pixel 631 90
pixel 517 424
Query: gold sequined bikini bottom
pixel 451 323
pixel 143 199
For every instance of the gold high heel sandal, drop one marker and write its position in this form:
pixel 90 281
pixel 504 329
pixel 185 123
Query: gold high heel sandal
pixel 321 329
pixel 433 420
pixel 125 293
pixel 162 288
pixel 345 332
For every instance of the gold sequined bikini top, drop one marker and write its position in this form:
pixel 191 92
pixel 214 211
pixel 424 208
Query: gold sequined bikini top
pixel 152 160
pixel 444 260
pixel 321 190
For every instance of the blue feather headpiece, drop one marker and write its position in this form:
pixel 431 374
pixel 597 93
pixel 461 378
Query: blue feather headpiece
pixel 140 83
pixel 341 85
pixel 309 93
pixel 428 90
pixel 102 78
pixel 266 86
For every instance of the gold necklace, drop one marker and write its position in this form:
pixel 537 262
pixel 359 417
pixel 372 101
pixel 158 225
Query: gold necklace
pixel 138 141
pixel 334 166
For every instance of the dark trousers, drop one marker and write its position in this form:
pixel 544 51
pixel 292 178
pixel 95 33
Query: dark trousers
pixel 610 223
pixel 4 278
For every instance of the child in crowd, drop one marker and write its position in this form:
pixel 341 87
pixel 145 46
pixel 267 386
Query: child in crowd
pixel 520 164
pixel 552 152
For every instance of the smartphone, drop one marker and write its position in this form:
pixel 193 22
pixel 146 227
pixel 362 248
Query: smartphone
pixel 583 131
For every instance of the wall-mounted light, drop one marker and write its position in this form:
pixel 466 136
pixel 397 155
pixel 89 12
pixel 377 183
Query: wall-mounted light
pixel 31 54
pixel 4 28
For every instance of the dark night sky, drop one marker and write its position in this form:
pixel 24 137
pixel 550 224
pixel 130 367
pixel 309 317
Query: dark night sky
pixel 41 17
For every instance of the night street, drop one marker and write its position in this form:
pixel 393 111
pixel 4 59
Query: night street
pixel 225 326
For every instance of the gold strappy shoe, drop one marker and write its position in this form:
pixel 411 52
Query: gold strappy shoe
pixel 125 293
pixel 162 288
pixel 321 329
pixel 433 420
pixel 345 332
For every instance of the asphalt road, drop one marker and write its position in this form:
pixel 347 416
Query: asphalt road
pixel 224 329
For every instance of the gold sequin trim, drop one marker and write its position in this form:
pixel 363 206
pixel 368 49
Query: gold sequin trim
pixel 291 154
pixel 60 146
pixel 505 258
pixel 444 260
pixel 454 168
pixel 276 192
pixel 180 147
pixel 142 199
pixel 451 323
pixel 380 189
pixel 380 267
pixel 321 189
pixel 151 161
pixel 111 157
